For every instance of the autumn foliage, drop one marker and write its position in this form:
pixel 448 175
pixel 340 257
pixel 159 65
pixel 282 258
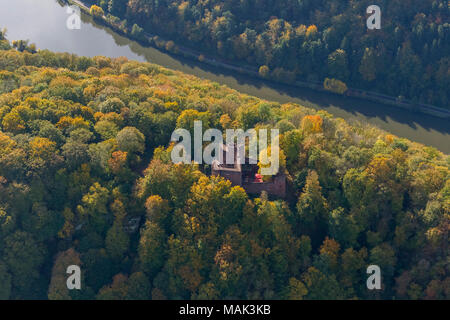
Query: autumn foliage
pixel 86 178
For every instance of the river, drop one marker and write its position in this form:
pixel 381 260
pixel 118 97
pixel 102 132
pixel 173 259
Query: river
pixel 44 22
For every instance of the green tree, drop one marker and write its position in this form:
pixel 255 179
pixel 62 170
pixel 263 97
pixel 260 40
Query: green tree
pixel 131 140
pixel 58 287
pixel 94 206
pixel 152 248
pixel 137 32
pixel 5 280
pixel 368 67
pixel 117 241
pixel 296 290
pixel 139 287
pixel 23 257
pixel 312 210
pixel 321 286
pixel 338 65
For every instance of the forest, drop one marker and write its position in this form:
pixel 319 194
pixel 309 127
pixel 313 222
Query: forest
pixel 309 40
pixel 86 179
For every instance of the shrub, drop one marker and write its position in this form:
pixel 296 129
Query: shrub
pixel 335 86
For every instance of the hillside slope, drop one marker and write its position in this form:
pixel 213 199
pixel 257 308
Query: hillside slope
pixel 76 134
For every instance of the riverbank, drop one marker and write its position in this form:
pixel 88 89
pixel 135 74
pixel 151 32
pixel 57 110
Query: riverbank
pixel 161 44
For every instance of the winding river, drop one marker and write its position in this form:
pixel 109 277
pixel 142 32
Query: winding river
pixel 44 23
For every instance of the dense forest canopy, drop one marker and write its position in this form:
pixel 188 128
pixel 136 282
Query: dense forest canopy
pixel 311 39
pixel 84 152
